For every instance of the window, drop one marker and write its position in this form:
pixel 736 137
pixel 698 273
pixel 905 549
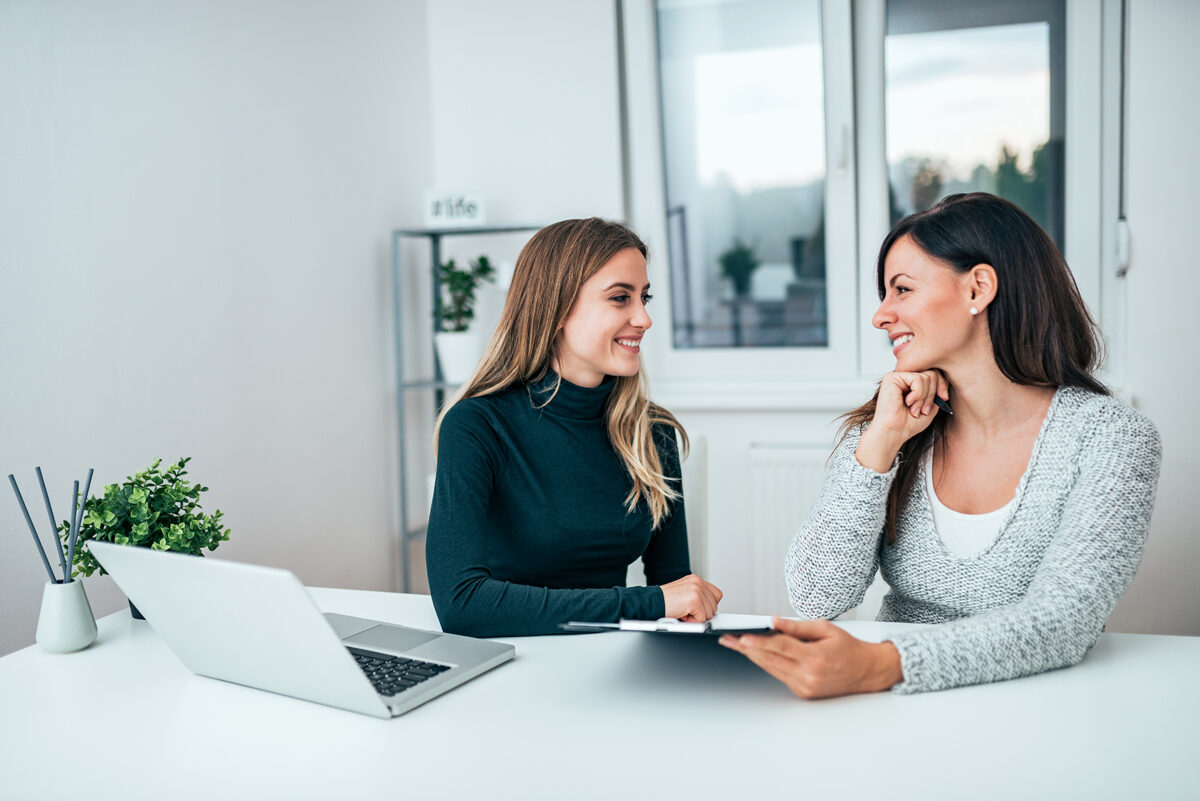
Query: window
pixel 771 144
pixel 744 148
pixel 975 103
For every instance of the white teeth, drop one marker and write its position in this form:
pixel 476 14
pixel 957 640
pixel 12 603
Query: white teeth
pixel 898 341
pixel 629 343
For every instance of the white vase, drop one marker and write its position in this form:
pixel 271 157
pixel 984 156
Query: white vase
pixel 458 352
pixel 66 622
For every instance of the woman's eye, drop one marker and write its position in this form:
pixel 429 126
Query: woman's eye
pixel 900 290
pixel 647 298
pixel 619 298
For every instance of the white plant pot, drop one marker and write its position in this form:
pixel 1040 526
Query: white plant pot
pixel 458 352
pixel 66 623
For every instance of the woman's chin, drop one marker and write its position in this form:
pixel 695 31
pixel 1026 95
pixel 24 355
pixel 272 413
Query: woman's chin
pixel 624 365
pixel 904 364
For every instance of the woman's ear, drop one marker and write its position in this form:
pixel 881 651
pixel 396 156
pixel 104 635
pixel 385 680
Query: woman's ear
pixel 982 285
pixel 554 343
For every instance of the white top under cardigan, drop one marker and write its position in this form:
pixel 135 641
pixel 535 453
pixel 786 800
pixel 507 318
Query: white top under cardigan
pixel 1035 599
pixel 963 535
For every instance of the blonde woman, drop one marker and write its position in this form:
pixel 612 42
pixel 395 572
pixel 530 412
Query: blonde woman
pixel 554 471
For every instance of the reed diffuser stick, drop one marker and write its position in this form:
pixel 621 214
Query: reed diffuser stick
pixel 62 558
pixel 29 521
pixel 78 522
pixel 70 532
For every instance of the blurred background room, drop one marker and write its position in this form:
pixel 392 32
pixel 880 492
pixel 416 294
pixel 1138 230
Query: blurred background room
pixel 198 257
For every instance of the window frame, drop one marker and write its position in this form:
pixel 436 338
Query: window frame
pixel 837 376
pixel 647 195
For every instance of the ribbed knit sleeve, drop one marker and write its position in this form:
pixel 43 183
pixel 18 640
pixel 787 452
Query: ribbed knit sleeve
pixel 832 559
pixel 1089 562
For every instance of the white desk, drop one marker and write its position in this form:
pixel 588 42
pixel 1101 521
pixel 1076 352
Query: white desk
pixel 618 715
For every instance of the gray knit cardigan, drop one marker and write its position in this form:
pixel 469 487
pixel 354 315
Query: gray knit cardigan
pixel 1034 600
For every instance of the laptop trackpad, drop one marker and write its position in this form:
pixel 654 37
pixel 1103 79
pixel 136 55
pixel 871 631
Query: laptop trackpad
pixel 391 638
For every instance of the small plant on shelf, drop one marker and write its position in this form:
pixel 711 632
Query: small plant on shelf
pixel 458 291
pixel 738 265
pixel 156 509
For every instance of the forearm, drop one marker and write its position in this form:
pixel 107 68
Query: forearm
pixel 1083 575
pixel 833 557
pixel 877 449
pixel 1022 640
pixel 886 669
pixel 470 600
pixel 481 606
pixel 1060 618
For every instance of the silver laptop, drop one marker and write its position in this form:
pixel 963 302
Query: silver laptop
pixel 258 626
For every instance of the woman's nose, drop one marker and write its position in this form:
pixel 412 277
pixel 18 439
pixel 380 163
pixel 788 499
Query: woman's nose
pixel 883 316
pixel 641 317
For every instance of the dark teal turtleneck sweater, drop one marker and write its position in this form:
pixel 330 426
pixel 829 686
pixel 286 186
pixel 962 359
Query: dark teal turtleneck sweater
pixel 529 527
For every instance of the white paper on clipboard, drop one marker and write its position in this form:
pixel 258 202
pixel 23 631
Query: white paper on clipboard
pixel 723 623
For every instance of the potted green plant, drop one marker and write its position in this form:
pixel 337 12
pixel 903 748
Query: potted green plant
pixel 458 348
pixel 738 265
pixel 154 508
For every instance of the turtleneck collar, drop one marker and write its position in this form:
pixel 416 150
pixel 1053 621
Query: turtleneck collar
pixel 571 400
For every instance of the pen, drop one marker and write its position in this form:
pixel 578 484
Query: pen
pixel 943 405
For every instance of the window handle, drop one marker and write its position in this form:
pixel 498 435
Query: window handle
pixel 1122 247
pixel 842 165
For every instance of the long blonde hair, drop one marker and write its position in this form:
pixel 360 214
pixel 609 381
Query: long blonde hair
pixel 549 273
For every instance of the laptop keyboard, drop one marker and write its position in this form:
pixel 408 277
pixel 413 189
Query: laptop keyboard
pixel 394 674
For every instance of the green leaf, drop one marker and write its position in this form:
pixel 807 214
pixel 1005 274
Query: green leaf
pixel 458 291
pixel 157 508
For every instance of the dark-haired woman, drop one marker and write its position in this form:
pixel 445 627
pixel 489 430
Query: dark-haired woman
pixel 1015 523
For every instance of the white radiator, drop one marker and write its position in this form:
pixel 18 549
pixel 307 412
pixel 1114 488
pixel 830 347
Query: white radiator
pixel 784 484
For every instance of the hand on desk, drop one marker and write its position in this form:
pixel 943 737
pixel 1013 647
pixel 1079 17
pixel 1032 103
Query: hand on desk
pixel 691 599
pixel 817 659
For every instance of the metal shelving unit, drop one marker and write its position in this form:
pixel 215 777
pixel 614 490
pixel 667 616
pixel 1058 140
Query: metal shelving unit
pixel 436 385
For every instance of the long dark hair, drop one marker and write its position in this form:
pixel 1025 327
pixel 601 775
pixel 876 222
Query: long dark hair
pixel 1042 333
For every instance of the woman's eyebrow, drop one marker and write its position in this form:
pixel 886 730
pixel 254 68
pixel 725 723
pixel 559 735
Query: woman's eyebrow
pixel 892 280
pixel 622 285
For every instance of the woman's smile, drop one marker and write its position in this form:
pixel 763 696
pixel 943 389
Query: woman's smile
pixel 603 333
pixel 632 344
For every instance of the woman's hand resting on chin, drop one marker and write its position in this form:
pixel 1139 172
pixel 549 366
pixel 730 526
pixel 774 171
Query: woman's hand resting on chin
pixel 903 409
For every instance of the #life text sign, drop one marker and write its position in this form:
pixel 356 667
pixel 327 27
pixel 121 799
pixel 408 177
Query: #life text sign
pixel 445 209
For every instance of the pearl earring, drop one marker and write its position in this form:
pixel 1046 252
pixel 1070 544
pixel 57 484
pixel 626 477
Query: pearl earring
pixel 974 311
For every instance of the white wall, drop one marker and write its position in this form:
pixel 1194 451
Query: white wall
pixel 525 105
pixel 525 110
pixel 554 58
pixel 195 201
pixel 217 180
pixel 1163 372
pixel 734 551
